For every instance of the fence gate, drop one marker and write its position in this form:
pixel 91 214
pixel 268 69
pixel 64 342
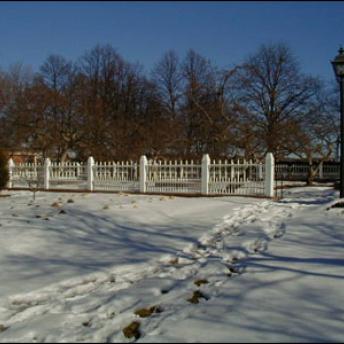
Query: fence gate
pixel 67 175
pixel 240 178
pixel 26 175
pixel 173 177
pixel 116 176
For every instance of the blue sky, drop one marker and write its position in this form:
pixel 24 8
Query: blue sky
pixel 225 32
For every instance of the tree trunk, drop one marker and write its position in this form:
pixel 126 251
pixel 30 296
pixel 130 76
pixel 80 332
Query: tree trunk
pixel 312 172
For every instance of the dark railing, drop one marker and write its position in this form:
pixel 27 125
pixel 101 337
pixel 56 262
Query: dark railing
pixel 300 171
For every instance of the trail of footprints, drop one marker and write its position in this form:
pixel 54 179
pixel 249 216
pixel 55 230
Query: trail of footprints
pixel 183 270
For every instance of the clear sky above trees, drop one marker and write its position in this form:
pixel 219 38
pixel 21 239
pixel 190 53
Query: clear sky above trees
pixel 225 32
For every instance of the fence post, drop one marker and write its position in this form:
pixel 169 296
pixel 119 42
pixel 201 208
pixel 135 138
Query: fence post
pixel 143 173
pixel 205 174
pixel 10 173
pixel 269 175
pixel 260 171
pixel 78 169
pixel 46 176
pixel 90 174
pixel 321 170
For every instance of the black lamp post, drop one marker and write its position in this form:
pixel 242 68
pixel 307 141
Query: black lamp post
pixel 338 67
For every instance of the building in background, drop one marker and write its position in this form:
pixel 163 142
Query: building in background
pixel 24 155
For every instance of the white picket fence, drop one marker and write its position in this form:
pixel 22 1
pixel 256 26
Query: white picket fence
pixel 150 176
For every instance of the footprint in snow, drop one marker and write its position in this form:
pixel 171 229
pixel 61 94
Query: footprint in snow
pixel 236 232
pixel 236 269
pixel 258 245
pixel 279 232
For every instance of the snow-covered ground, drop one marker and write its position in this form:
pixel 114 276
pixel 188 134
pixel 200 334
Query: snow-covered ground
pixel 259 270
pixel 40 245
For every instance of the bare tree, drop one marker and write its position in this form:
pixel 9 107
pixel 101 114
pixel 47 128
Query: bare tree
pixel 274 92
pixel 316 136
pixel 13 84
pixel 199 82
pixel 60 83
pixel 56 72
pixel 209 109
pixel 167 76
pixel 104 106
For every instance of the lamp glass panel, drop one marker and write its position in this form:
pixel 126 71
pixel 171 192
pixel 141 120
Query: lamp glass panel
pixel 340 69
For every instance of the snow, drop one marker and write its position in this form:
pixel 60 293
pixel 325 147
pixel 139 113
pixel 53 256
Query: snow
pixel 267 271
pixel 97 232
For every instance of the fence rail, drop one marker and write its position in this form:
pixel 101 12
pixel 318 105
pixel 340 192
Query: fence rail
pixel 150 176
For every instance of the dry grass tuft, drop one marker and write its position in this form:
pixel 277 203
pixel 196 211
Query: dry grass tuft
pixel 87 323
pixel 132 330
pixel 196 296
pixel 147 312
pixel 200 282
pixel 339 204
pixel 174 261
pixel 3 328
